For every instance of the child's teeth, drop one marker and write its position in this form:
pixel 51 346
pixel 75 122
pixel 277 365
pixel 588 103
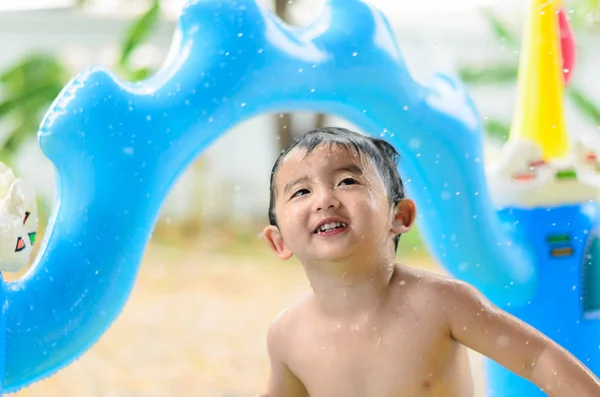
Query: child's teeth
pixel 330 226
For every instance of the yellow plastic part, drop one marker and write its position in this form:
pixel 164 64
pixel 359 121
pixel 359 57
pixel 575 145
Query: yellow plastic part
pixel 539 113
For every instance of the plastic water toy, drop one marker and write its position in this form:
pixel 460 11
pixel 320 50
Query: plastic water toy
pixel 567 45
pixel 18 221
pixel 118 147
pixel 546 185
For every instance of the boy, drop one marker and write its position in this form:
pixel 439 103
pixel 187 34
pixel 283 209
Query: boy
pixel 371 327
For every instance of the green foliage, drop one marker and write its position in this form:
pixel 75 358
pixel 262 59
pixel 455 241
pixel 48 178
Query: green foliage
pixel 29 86
pixel 494 74
pixel 138 33
pixel 497 129
pixel 585 105
pixel 500 30
pixel 584 14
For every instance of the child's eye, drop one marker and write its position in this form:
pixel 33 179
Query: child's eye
pixel 348 181
pixel 300 193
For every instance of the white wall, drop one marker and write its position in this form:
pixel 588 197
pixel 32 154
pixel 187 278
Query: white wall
pixel 238 165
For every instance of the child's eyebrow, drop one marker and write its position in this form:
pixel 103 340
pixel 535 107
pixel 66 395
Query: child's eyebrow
pixel 293 182
pixel 353 168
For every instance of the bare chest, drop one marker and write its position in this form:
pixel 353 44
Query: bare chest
pixel 404 358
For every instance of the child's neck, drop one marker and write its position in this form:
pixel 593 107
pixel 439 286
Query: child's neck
pixel 352 288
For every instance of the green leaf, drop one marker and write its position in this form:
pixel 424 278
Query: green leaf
pixel 20 135
pixel 139 32
pixel 584 14
pixel 139 74
pixel 28 105
pixel 27 100
pixel 585 105
pixel 496 74
pixel 497 129
pixel 501 31
pixel 37 67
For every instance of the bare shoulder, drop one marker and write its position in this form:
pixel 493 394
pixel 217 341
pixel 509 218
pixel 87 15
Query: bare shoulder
pixel 434 287
pixel 426 279
pixel 284 324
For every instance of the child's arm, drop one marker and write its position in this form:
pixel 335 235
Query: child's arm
pixel 477 324
pixel 282 382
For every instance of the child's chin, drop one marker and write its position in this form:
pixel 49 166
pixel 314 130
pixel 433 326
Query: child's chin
pixel 333 255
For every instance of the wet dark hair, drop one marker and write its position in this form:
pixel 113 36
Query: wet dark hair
pixel 382 154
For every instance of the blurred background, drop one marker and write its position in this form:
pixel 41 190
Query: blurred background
pixel 209 287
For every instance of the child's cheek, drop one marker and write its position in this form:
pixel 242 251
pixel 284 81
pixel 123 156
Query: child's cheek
pixel 373 200
pixel 299 210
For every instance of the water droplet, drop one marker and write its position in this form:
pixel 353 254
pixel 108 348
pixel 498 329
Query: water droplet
pixel 414 143
pixel 354 53
pixel 240 34
pixel 503 341
pixel 243 104
pixel 148 117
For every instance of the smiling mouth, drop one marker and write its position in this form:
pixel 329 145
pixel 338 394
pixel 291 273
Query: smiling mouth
pixel 331 228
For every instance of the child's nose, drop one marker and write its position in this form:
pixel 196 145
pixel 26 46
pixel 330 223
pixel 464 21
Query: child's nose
pixel 326 200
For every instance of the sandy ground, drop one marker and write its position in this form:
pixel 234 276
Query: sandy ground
pixel 194 326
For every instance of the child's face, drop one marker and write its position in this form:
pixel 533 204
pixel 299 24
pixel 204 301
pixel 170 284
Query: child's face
pixel 331 204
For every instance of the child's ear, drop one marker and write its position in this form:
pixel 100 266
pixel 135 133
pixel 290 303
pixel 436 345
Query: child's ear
pixel 275 241
pixel 405 213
